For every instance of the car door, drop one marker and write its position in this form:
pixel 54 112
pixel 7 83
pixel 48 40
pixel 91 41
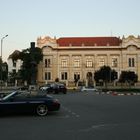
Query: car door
pixel 15 104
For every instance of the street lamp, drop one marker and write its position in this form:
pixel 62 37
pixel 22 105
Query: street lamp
pixel 2 44
pixel 1 57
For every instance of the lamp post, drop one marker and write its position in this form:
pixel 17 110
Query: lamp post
pixel 1 56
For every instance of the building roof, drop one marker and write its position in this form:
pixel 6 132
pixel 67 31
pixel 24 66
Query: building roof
pixel 89 41
pixel 14 54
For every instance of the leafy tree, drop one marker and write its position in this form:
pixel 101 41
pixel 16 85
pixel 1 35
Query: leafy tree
pixel 128 77
pixel 97 76
pixel 30 58
pixel 12 76
pixel 105 74
pixel 3 71
pixel 114 75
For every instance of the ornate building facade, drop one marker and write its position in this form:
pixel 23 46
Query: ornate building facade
pixel 73 58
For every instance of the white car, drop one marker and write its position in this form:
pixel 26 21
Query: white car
pixel 45 87
pixel 89 89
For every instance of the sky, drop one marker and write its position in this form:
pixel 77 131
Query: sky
pixel 26 20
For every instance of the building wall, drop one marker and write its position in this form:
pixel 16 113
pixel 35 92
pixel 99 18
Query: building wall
pixel 12 66
pixel 84 59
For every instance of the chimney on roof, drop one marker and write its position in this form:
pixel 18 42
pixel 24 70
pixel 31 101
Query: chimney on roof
pixel 82 44
pixel 107 44
pixel 95 44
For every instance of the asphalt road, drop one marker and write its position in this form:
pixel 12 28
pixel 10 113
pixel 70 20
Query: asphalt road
pixel 82 116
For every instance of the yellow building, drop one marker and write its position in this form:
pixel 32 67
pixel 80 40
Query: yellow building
pixel 79 57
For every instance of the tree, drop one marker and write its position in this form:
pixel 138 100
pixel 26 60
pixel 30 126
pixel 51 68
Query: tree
pixel 105 74
pixel 97 76
pixel 128 77
pixel 31 58
pixel 114 75
pixel 12 77
pixel 3 71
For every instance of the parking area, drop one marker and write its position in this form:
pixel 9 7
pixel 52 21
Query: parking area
pixel 82 115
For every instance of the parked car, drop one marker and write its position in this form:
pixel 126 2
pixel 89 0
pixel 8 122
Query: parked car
pixel 54 88
pixel 24 102
pixel 23 88
pixel 89 89
pixel 44 87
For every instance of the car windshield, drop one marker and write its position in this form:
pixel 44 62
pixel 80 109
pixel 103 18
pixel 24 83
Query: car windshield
pixel 22 94
pixel 9 95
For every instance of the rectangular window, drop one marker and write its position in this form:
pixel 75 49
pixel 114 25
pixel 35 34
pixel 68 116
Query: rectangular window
pixel 89 63
pixel 76 63
pixel 47 63
pixel 101 62
pixel 131 62
pixel 114 62
pixel 64 63
pixel 47 75
pixel 14 63
pixel 76 75
pixel 64 76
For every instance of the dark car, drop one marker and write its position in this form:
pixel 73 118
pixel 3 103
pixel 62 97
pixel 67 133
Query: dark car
pixel 23 88
pixel 54 88
pixel 24 102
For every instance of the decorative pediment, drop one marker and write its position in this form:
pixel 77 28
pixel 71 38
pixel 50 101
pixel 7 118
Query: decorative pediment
pixel 47 49
pixel 46 41
pixel 131 48
pixel 130 41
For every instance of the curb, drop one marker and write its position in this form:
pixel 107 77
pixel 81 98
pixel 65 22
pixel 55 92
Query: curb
pixel 124 94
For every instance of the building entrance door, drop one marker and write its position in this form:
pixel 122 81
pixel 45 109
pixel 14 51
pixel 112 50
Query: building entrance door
pixel 89 79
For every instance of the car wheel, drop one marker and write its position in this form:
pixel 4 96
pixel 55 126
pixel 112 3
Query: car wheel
pixel 42 110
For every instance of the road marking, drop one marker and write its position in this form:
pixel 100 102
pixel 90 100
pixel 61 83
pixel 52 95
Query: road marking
pixel 72 114
pixel 114 94
pixel 98 126
pixel 77 116
pixel 63 117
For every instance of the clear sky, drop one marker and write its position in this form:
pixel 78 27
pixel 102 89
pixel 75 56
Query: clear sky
pixel 26 20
